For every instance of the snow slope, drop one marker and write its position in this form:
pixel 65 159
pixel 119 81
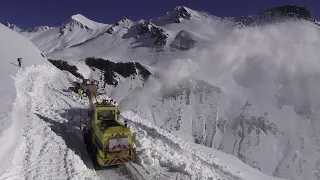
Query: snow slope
pixel 50 138
pixel 267 111
pixel 268 108
pixel 51 145
pixel 75 30
pixel 29 148
pixel 165 155
pixel 13 45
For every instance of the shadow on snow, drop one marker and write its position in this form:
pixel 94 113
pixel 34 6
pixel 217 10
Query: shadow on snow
pixel 71 133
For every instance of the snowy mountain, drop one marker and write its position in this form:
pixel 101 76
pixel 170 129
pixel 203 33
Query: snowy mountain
pixel 246 86
pixel 40 133
pixel 13 27
pixel 74 31
pixel 278 15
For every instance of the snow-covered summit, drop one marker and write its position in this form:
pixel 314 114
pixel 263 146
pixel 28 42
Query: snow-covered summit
pixel 40 29
pixel 177 15
pixel 13 27
pixel 277 14
pixel 123 23
pixel 287 11
pixel 83 22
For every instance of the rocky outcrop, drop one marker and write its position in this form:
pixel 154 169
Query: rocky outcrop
pixel 122 23
pixel 287 11
pixel 64 66
pixel 183 41
pixel 110 69
pixel 40 29
pixel 13 27
pixel 148 34
pixel 277 15
pixel 178 14
pixel 156 33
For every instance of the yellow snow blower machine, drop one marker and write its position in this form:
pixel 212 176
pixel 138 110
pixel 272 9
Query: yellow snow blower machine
pixel 107 139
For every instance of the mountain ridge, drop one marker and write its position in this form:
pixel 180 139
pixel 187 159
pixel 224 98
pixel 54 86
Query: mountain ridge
pixel 179 13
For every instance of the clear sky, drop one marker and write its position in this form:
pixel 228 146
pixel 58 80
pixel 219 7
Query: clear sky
pixel 31 13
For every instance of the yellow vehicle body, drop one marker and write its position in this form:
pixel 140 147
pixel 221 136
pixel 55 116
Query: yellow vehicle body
pixel 111 139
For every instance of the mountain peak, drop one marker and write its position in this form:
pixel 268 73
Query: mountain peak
pixel 79 18
pixel 179 13
pixel 288 11
pixel 40 29
pixel 13 27
pixel 121 23
pixel 83 22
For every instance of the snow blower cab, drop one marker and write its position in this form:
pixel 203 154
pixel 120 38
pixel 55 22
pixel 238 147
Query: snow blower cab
pixel 112 140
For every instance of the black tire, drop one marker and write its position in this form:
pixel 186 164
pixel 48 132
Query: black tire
pixel 94 159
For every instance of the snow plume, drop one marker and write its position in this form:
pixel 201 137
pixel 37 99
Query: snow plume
pixel 261 58
pixel 162 154
pixel 176 71
pixel 276 68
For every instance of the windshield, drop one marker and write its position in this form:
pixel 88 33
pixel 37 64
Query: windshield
pixel 106 115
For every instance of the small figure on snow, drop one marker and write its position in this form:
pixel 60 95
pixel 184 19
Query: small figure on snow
pixel 19 61
pixel 80 92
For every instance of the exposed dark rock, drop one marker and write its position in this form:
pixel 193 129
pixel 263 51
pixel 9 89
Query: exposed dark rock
pixel 177 13
pixel 39 28
pixel 148 31
pixel 70 24
pixel 276 15
pixel 118 23
pixel 148 28
pixel 143 71
pixel 13 27
pixel 64 66
pixel 122 20
pixel 124 69
pixel 288 11
pixel 183 41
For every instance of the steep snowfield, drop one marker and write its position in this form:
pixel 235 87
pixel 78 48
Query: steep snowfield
pixel 165 155
pixel 268 106
pixel 76 30
pixel 13 45
pixel 87 22
pixel 51 144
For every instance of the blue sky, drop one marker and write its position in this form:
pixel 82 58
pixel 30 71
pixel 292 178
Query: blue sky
pixel 31 13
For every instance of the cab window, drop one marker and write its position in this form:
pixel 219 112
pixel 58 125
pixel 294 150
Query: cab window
pixel 106 115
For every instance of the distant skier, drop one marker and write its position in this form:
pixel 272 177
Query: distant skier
pixel 19 61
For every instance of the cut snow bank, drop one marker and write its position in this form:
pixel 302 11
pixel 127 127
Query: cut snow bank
pixel 49 146
pixel 13 45
pixel 165 155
